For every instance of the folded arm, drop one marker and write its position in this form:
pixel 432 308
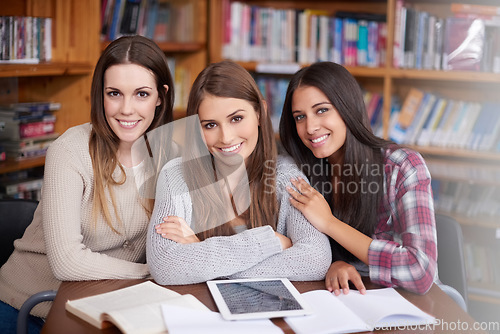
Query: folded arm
pixel 177 263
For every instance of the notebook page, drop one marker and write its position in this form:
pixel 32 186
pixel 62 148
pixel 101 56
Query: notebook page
pixel 378 304
pixel 330 316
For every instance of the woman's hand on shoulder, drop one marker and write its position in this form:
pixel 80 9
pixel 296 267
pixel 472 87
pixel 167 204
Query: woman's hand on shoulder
pixel 311 203
pixel 338 276
pixel 176 229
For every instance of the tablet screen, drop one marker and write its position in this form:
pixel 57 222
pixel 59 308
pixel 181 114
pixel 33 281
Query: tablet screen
pixel 257 298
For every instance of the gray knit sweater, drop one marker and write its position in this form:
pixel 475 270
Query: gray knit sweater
pixel 252 253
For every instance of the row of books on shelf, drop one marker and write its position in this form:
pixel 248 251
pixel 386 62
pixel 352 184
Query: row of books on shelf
pixel 467 40
pixel 25 39
pixel 427 119
pixel 27 189
pixel 481 263
pixel 161 20
pixel 25 183
pixel 467 199
pixel 274 88
pixel 27 129
pixel 263 34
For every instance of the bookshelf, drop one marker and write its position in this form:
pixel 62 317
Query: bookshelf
pixel 67 77
pixel 393 81
pixel 179 27
pixel 76 46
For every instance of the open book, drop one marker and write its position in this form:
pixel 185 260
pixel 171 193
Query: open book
pixel 354 312
pixel 135 309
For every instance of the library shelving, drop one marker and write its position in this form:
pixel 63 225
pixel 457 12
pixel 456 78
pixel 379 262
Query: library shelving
pixel 77 42
pixel 67 76
pixel 393 81
pixel 179 27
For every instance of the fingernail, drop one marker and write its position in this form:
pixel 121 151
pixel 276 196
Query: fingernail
pixel 363 291
pixel 337 292
pixel 346 291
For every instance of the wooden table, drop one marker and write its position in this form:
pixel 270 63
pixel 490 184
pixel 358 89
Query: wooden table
pixel 435 302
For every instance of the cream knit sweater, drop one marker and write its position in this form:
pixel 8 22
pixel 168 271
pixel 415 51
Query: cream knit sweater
pixel 62 243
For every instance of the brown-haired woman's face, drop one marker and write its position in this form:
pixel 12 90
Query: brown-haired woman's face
pixel 130 100
pixel 318 123
pixel 230 126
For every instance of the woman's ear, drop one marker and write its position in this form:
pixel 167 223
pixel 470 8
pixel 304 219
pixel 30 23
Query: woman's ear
pixel 159 100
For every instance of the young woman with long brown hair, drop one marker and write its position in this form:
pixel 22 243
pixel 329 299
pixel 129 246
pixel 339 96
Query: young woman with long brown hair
pixel 91 221
pixel 222 210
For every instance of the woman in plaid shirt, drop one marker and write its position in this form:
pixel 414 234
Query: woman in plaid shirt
pixel 370 196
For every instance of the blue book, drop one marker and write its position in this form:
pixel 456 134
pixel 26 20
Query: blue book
pixel 113 29
pixel 479 127
pixel 362 43
pixel 422 36
pixel 372 56
pixel 151 18
pixel 338 55
pixel 493 128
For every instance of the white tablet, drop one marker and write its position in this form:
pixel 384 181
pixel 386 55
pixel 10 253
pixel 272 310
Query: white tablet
pixel 257 298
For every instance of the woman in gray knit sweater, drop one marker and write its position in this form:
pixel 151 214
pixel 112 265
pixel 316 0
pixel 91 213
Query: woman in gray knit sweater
pixel 222 209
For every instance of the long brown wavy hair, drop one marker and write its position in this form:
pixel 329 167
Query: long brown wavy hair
pixel 228 79
pixel 103 143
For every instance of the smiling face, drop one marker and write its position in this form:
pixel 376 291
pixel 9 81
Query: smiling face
pixel 230 126
pixel 130 99
pixel 318 123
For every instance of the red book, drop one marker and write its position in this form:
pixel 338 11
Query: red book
pixel 34 129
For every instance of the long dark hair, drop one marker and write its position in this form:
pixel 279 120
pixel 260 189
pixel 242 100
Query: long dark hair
pixel 363 154
pixel 103 143
pixel 228 79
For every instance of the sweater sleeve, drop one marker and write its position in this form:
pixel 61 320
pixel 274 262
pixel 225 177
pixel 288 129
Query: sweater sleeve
pixel 62 197
pixel 310 255
pixel 404 250
pixel 175 263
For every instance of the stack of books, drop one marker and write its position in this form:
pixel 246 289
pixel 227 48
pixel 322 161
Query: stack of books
pixel 26 183
pixel 27 129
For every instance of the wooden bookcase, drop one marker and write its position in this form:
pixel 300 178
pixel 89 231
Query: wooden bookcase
pixel 190 56
pixel 67 78
pixel 391 81
pixel 76 47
